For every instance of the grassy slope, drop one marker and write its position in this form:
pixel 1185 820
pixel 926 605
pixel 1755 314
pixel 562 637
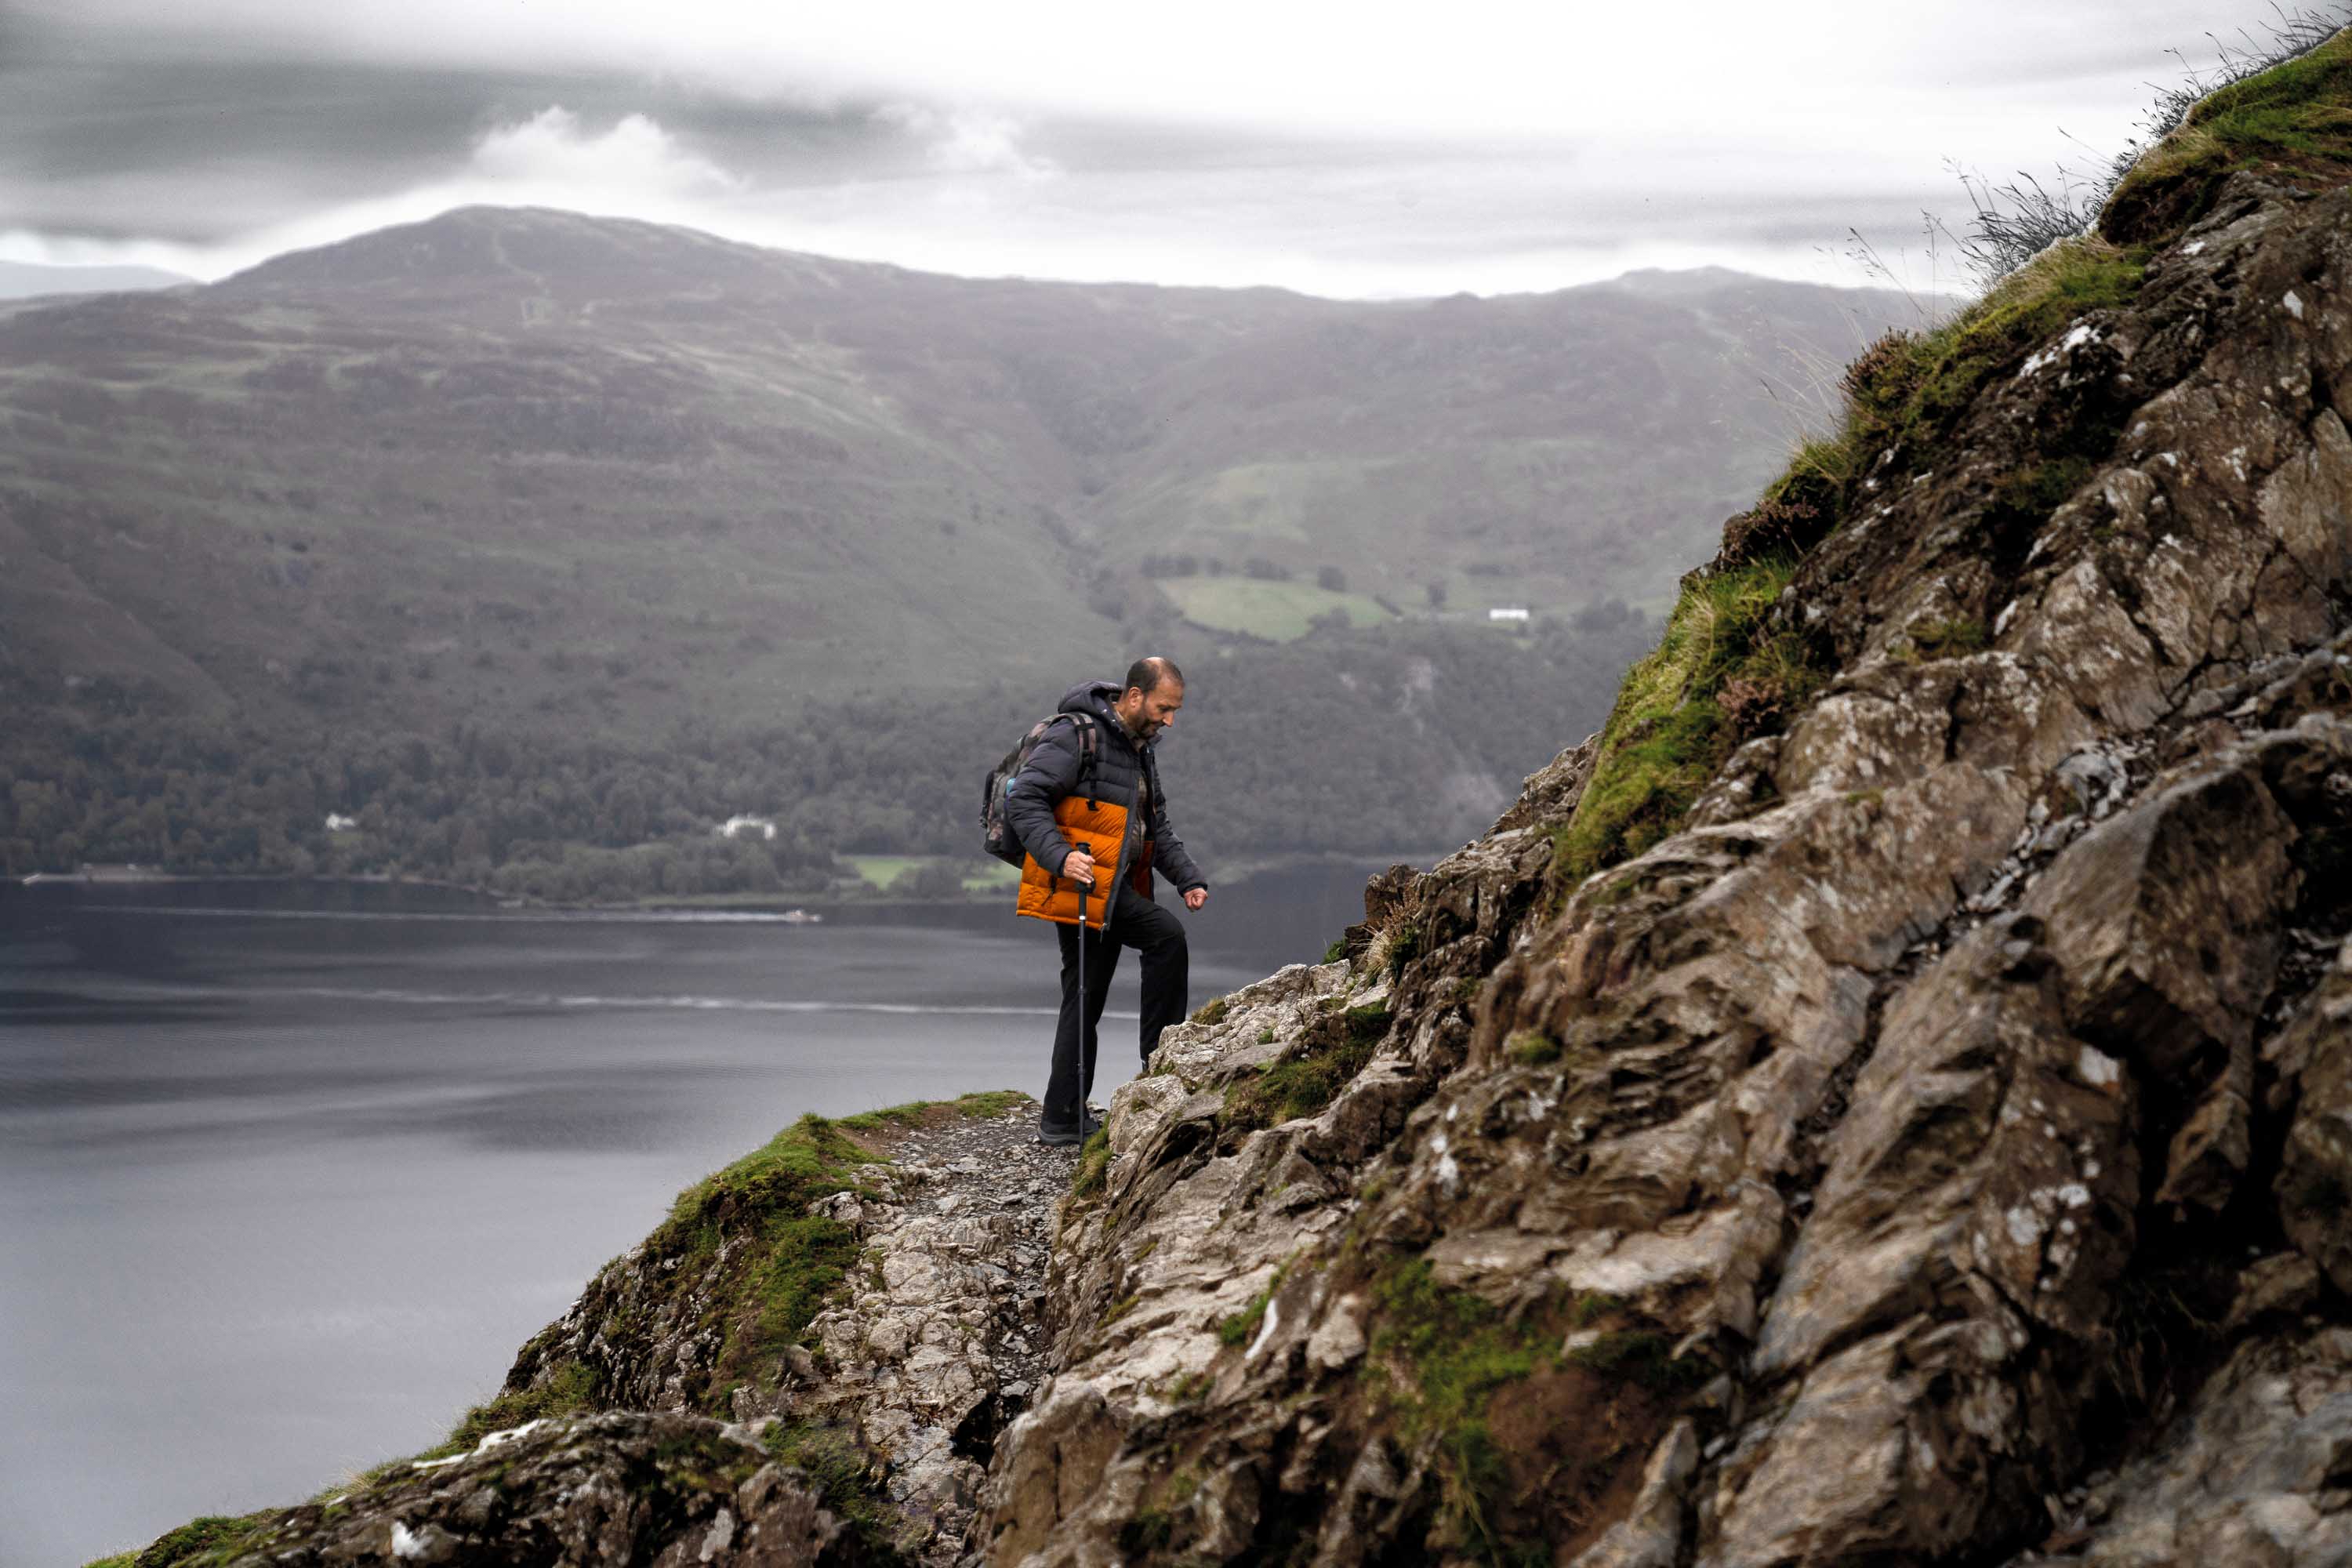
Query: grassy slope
pixel 878 871
pixel 1277 611
pixel 1482 444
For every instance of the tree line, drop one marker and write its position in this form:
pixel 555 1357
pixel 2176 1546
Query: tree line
pixel 1361 741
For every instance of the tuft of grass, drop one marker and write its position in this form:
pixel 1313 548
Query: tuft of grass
pixel 1189 1387
pixel 805 1259
pixel 1337 950
pixel 1238 1329
pixel 1911 389
pixel 570 1389
pixel 1335 1047
pixel 765 1296
pixel 204 1542
pixel 811 1159
pixel 1457 1352
pixel 1153 1527
pixel 845 1477
pixel 1944 639
pixel 801 1259
pixel 1151 1530
pixel 1212 1012
pixel 1638 1355
pixel 2202 129
pixel 2292 120
pixel 1402 946
pixel 983 1106
pixel 1668 734
pixel 1094 1165
pixel 1445 1365
pixel 1532 1047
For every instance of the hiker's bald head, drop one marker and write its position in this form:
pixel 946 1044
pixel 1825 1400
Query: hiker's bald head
pixel 1150 672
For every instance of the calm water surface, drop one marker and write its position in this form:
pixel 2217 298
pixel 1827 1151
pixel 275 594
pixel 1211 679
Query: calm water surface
pixel 287 1174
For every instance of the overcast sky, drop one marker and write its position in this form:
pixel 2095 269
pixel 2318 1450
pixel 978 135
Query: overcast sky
pixel 1354 149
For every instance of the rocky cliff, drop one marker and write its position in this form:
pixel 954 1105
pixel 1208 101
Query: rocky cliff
pixel 1884 1099
pixel 1888 1098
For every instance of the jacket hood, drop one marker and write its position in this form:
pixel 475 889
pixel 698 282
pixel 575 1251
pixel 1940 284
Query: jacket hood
pixel 1096 697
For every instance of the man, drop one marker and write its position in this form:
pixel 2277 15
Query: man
pixel 1100 837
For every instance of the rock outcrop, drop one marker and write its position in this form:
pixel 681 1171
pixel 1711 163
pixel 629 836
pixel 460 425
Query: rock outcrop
pixel 896 1377
pixel 671 1492
pixel 1927 1137
pixel 808 1362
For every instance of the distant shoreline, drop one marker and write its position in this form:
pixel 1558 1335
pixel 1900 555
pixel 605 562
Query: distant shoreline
pixel 818 904
pixel 140 875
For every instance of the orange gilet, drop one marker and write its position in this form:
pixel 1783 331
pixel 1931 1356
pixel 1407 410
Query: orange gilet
pixel 1099 828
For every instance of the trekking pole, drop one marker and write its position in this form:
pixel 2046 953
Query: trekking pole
pixel 1085 1058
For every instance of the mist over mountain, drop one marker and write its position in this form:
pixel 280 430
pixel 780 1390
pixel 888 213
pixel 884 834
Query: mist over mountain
pixel 578 482
pixel 29 280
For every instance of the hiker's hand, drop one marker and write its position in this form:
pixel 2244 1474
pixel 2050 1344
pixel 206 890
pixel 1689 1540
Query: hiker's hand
pixel 1080 867
pixel 1195 897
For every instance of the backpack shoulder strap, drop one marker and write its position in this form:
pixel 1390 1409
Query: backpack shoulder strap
pixel 1087 730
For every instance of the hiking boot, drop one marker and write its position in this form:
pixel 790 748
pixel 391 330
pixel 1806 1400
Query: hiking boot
pixel 1063 1134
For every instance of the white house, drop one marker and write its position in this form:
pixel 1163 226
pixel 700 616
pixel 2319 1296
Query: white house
pixel 1507 611
pixel 338 823
pixel 750 827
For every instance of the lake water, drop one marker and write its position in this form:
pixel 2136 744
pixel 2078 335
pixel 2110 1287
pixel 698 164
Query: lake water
pixel 289 1173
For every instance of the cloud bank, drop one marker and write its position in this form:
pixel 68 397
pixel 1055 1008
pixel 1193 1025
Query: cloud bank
pixel 1356 151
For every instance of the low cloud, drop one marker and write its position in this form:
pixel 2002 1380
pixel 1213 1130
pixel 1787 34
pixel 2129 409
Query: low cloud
pixel 633 167
pixel 635 156
pixel 969 141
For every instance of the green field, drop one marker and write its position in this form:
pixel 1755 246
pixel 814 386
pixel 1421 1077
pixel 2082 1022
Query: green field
pixel 981 876
pixel 1275 611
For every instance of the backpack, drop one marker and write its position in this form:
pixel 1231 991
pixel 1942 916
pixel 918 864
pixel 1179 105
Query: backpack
pixel 996 833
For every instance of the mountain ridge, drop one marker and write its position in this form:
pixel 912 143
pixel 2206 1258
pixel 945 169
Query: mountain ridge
pixel 595 484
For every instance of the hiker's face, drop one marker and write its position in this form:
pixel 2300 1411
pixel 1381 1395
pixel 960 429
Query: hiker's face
pixel 1146 713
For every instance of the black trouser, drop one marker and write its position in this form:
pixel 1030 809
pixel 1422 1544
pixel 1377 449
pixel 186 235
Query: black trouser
pixel 1136 923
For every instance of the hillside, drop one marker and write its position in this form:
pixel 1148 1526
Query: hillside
pixel 624 497
pixel 712 477
pixel 1885 1098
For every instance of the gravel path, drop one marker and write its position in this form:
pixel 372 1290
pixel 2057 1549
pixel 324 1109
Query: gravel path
pixel 941 1342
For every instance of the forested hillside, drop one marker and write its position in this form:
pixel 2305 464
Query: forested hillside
pixel 521 538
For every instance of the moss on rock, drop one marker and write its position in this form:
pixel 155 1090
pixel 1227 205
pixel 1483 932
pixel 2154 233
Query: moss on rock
pixel 1330 1052
pixel 1669 733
